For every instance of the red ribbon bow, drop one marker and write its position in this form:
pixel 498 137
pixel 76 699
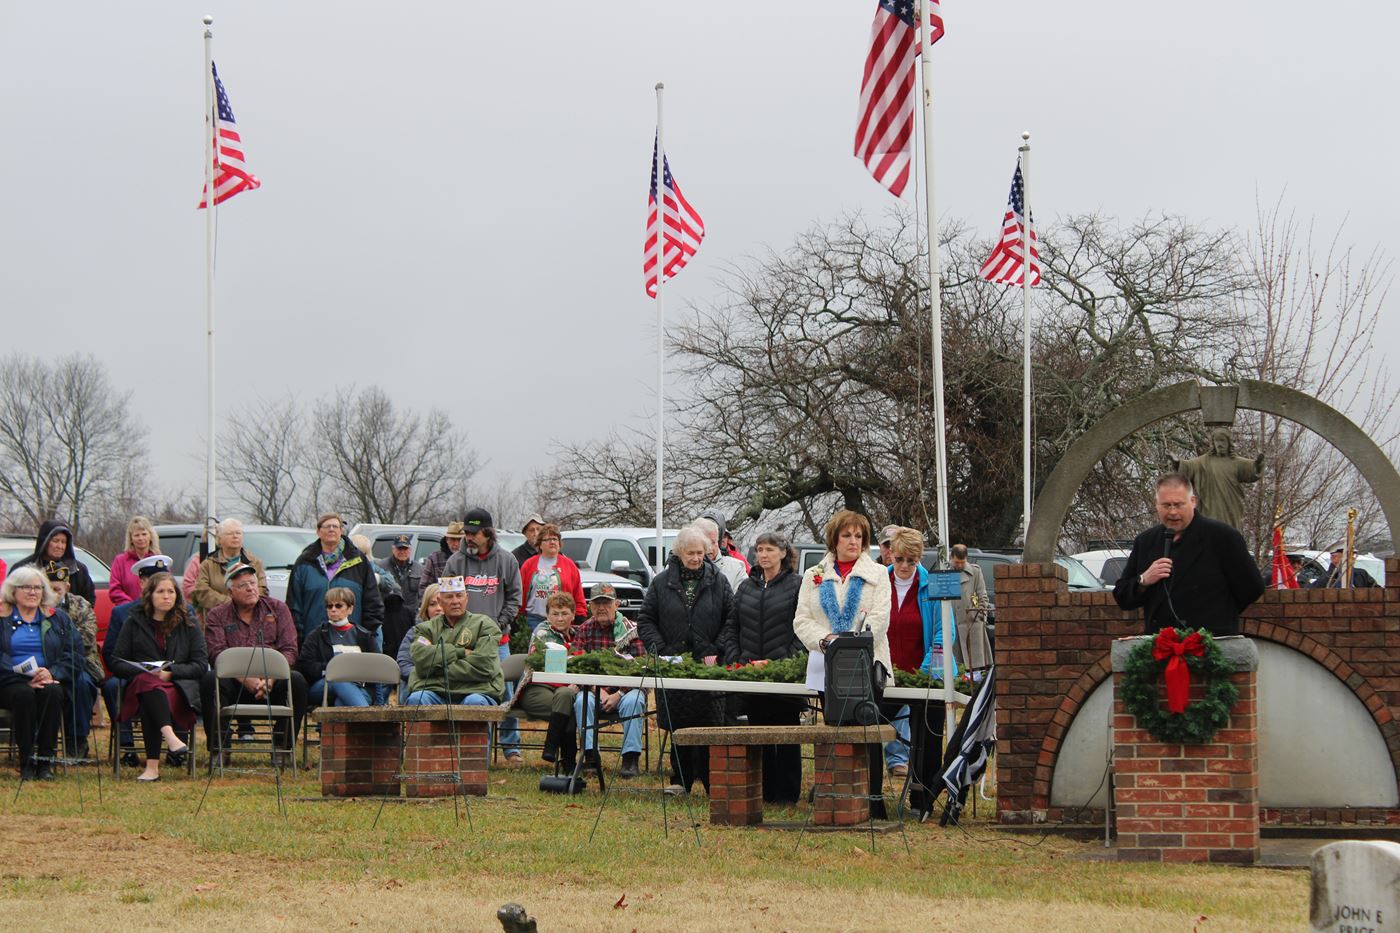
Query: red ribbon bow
pixel 1170 647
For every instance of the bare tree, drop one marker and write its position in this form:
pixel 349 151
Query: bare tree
pixel 611 481
pixel 1318 311
pixel 67 438
pixel 263 462
pixel 387 465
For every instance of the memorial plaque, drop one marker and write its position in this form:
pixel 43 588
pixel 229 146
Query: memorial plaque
pixel 1356 888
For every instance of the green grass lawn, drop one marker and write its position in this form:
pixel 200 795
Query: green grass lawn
pixel 140 858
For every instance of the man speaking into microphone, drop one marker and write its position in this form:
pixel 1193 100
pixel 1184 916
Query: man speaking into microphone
pixel 1190 571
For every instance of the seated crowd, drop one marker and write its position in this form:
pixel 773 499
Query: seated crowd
pixel 164 640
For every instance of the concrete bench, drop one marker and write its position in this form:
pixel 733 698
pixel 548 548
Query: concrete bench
pixel 736 769
pixel 360 749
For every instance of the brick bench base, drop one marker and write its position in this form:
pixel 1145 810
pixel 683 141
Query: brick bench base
pixel 736 769
pixel 360 750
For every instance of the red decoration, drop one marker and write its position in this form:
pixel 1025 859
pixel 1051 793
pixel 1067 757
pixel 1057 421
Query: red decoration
pixel 1168 646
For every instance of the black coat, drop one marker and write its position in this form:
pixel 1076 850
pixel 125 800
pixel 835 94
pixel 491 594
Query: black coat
pixel 80 581
pixel 317 651
pixel 668 627
pixel 1213 578
pixel 760 623
pixel 184 649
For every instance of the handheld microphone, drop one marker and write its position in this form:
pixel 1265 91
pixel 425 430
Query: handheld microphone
pixel 1167 544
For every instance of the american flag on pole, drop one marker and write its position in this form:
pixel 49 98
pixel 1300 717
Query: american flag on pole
pixel 1004 265
pixel 885 127
pixel 684 228
pixel 231 175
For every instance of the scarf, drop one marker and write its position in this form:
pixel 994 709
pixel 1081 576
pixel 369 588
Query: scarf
pixel 330 562
pixel 690 585
pixel 842 618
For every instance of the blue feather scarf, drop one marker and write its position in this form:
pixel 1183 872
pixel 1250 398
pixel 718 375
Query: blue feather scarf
pixel 842 618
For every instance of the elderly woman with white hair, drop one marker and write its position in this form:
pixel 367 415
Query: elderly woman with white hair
pixel 40 658
pixel 685 609
pixel 210 588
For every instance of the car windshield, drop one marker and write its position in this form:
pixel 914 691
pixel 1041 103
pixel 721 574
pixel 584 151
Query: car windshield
pixel 1079 576
pixel 277 548
pixel 648 546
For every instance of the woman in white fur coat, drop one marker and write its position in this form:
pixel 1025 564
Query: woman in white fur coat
pixel 848 592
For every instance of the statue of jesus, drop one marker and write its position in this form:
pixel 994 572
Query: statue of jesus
pixel 1219 477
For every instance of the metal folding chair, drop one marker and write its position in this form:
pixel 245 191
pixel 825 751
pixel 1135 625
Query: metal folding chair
pixel 268 664
pixel 352 668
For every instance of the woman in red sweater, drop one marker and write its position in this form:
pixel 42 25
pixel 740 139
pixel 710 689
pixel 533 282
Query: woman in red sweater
pixel 141 542
pixel 547 573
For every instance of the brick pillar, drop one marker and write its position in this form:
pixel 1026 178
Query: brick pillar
pixel 843 785
pixel 736 784
pixel 359 759
pixel 1189 803
pixel 428 750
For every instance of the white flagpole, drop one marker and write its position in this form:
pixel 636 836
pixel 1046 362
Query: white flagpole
pixel 660 320
pixel 936 302
pixel 1026 336
pixel 210 131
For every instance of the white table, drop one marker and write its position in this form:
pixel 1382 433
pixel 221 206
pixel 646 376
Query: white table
pixel 648 681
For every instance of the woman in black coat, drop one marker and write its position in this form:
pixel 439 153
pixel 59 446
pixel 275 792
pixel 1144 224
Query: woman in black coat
pixel 684 612
pixel 167 699
pixel 760 628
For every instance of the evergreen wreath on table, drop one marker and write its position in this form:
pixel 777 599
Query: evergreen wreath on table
pixel 1142 694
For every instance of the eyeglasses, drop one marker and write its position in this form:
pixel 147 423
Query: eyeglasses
pixel 31 588
pixel 906 560
pixel 336 606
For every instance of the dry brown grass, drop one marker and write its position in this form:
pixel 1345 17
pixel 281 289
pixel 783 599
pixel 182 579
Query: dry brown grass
pixel 140 860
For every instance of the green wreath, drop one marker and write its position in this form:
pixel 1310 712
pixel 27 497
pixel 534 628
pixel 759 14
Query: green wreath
pixel 1142 695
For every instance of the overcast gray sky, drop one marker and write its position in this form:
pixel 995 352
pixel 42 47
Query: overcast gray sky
pixel 454 193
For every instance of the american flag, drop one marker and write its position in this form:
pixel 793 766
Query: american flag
pixel 230 174
pixel 1004 265
pixel 885 129
pixel 684 228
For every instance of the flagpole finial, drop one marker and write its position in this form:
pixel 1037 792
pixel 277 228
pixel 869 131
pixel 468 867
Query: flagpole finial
pixel 660 85
pixel 1026 135
pixel 208 19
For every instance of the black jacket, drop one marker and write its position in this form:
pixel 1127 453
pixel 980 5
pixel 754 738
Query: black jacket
pixel 667 627
pixel 80 581
pixel 317 651
pixel 184 649
pixel 524 552
pixel 1213 578
pixel 760 623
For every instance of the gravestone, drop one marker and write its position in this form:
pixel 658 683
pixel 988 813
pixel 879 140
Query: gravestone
pixel 1356 888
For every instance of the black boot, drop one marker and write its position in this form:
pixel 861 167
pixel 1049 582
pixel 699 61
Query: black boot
pixel 558 728
pixel 568 750
pixel 630 767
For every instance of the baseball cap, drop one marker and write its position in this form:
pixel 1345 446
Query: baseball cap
pixel 477 519
pixel 600 591
pixel 403 540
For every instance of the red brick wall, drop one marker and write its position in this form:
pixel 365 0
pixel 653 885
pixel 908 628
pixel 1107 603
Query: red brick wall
pixel 1052 650
pixel 1189 803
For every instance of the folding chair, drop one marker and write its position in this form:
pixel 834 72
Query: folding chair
pixel 352 668
pixel 266 663
pixel 114 740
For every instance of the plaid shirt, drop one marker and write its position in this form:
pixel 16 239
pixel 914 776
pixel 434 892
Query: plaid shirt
pixel 598 636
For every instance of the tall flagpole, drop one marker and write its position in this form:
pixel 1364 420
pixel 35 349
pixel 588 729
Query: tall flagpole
pixel 210 131
pixel 1026 336
pixel 660 320
pixel 936 303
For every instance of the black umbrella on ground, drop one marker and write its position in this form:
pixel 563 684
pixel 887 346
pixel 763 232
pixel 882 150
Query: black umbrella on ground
pixel 971 745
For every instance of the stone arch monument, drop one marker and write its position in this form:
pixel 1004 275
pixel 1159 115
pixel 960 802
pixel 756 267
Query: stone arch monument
pixel 1217 405
pixel 1053 644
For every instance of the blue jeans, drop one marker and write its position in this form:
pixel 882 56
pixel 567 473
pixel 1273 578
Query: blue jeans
pixel 631 709
pixel 508 732
pixel 342 693
pixel 897 752
pixel 77 719
pixel 109 696
pixel 433 698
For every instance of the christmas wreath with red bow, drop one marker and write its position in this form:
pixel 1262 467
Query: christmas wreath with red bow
pixel 1176 656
